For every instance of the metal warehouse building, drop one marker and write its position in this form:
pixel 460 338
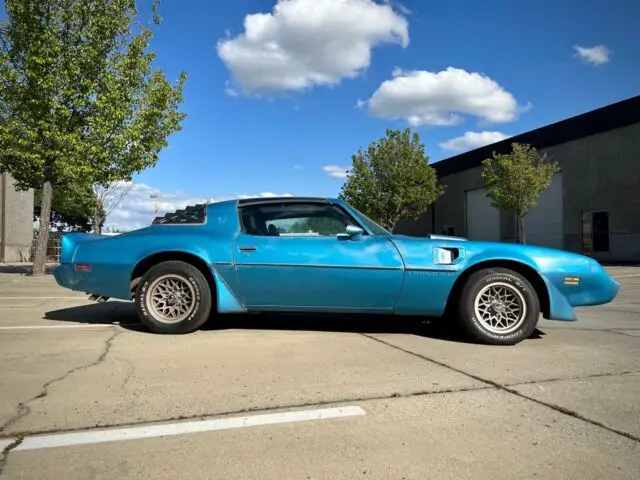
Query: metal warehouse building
pixel 591 207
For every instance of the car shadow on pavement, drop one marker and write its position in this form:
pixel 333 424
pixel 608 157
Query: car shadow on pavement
pixel 441 328
pixel 339 323
pixel 107 313
pixel 124 314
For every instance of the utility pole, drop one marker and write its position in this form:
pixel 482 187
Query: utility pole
pixel 156 197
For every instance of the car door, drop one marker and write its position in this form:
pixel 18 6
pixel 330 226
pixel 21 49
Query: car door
pixel 298 256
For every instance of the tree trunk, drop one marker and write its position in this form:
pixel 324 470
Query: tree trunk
pixel 97 220
pixel 521 233
pixel 40 259
pixel 97 226
pixel 391 224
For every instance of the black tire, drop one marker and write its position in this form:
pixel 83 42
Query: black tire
pixel 517 287
pixel 198 294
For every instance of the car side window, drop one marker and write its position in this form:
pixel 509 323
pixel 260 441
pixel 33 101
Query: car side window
pixel 295 219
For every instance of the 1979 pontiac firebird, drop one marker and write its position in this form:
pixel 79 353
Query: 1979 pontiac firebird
pixel 321 255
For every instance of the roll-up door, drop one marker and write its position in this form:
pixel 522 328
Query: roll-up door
pixel 483 220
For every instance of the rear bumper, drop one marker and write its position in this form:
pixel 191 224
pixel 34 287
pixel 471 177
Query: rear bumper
pixel 105 280
pixel 66 276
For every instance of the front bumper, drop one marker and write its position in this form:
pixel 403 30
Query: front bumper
pixel 596 287
pixel 600 288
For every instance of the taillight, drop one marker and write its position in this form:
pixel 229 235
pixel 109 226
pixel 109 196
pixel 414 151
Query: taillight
pixel 83 267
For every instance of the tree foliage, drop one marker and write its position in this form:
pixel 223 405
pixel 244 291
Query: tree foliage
pixel 81 99
pixel 515 180
pixel 72 208
pixel 392 179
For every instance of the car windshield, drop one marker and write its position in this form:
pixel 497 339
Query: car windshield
pixel 371 225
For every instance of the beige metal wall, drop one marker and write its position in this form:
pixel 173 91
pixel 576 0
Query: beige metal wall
pixel 16 222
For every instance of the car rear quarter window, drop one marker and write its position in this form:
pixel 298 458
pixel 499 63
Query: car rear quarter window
pixel 192 215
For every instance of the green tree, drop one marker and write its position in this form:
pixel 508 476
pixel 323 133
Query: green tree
pixel 72 208
pixel 392 179
pixel 515 180
pixel 81 99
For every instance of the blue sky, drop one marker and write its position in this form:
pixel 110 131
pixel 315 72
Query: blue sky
pixel 311 82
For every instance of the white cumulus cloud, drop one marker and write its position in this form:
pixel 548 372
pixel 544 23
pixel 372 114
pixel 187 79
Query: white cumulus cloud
pixel 336 171
pixel 595 56
pixel 471 140
pixel 138 208
pixel 441 98
pixel 305 43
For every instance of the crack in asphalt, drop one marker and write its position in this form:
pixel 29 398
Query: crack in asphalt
pixel 587 329
pixel 204 416
pixel 624 333
pixel 131 369
pixel 606 330
pixel 573 377
pixel 5 453
pixel 507 388
pixel 24 409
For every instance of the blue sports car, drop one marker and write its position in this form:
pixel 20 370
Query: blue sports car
pixel 301 254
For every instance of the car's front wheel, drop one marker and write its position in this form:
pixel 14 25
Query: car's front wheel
pixel 499 306
pixel 173 297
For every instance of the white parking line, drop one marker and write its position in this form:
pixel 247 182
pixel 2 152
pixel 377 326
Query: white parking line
pixel 627 276
pixel 150 431
pixel 44 327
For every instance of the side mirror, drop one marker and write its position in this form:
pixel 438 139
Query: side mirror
pixel 351 231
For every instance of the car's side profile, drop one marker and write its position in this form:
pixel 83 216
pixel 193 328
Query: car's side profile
pixel 321 255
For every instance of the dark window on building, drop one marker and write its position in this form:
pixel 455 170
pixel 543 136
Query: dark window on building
pixel 449 230
pixel 195 214
pixel 600 231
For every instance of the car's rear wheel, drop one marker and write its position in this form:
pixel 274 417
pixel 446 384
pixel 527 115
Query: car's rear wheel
pixel 173 297
pixel 498 306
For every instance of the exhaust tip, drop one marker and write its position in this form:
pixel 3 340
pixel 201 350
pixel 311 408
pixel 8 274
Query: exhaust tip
pixel 98 298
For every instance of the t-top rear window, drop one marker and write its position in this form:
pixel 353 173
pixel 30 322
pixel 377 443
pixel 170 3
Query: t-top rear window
pixel 195 214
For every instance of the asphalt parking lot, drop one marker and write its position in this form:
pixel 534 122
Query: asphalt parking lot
pixel 87 394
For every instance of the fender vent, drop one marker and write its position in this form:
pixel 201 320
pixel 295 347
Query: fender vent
pixel 445 255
